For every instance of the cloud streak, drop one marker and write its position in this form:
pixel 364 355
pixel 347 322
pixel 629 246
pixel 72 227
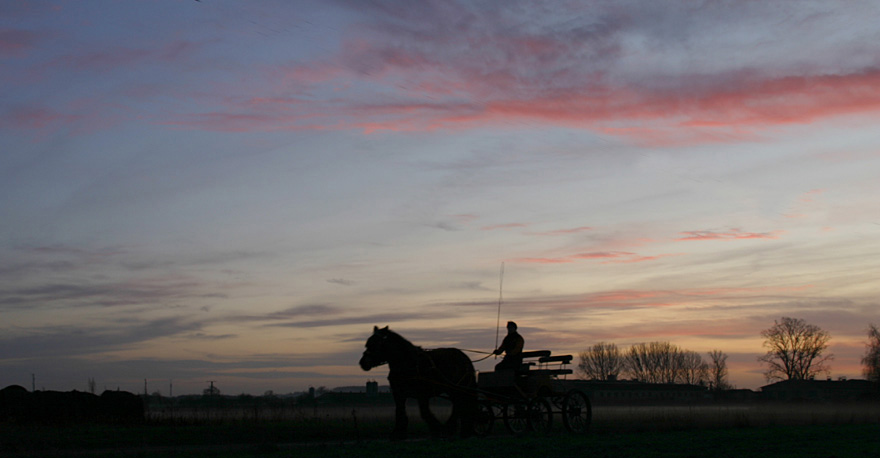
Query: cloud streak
pixel 61 340
pixel 540 74
pixel 732 234
pixel 607 257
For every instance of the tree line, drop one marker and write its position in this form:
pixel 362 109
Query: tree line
pixel 796 350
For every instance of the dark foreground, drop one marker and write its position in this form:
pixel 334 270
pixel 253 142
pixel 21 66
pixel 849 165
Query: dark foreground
pixel 862 440
pixel 768 430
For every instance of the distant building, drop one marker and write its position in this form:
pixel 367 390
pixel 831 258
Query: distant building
pixel 370 388
pixel 736 395
pixel 632 392
pixel 820 390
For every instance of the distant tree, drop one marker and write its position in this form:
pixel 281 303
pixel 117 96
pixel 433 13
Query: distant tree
pixel 654 362
pixel 212 391
pixel 718 370
pixel 667 361
pixel 692 369
pixel 639 365
pixel 871 360
pixel 663 362
pixel 602 361
pixel 796 350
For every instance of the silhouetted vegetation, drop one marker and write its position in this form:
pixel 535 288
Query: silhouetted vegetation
pixel 602 361
pixel 19 406
pixel 718 371
pixel 796 350
pixel 871 360
pixel 663 362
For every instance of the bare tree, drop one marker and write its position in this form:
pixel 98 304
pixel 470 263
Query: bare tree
pixel 871 360
pixel 693 370
pixel 668 361
pixel 796 350
pixel 718 370
pixel 654 362
pixel 212 391
pixel 638 363
pixel 602 361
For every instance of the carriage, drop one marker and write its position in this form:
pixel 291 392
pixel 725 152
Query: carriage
pixel 527 399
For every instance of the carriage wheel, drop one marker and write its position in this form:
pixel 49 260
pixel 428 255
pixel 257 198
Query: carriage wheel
pixel 484 420
pixel 577 413
pixel 516 417
pixel 540 417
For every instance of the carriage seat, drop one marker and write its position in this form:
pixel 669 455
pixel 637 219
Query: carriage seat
pixel 527 365
pixel 551 372
pixel 562 359
pixel 536 354
pixel 548 365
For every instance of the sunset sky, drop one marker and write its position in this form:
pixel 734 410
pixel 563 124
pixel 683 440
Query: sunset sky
pixel 239 191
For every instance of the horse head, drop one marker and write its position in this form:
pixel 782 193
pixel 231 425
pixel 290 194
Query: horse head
pixel 376 353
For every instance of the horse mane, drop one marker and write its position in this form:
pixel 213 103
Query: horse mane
pixel 402 340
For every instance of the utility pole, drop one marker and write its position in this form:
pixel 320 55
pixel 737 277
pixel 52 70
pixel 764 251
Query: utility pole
pixel 145 388
pixel 33 382
pixel 170 393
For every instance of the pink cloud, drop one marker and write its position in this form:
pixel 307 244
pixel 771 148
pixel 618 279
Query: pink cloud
pixel 602 255
pixel 790 99
pixel 608 257
pixel 674 118
pixel 510 91
pixel 424 68
pixel 541 260
pixel 634 259
pixel 733 234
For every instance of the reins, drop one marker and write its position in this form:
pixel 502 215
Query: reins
pixel 487 353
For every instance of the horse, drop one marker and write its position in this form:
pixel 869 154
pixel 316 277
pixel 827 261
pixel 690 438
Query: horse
pixel 423 374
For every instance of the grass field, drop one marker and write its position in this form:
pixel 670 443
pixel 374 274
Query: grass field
pixel 775 430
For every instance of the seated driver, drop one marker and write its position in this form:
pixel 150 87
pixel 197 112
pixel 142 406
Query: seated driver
pixel 512 347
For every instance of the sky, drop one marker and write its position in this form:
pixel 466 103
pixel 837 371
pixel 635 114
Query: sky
pixel 237 192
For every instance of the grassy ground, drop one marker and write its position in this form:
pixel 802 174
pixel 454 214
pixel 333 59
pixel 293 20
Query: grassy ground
pixel 778 442
pixel 715 431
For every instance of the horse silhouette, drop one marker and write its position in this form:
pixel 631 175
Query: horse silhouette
pixel 423 374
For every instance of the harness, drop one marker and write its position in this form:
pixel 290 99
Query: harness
pixel 424 365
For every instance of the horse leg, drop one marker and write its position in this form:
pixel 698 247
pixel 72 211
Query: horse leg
pixel 400 420
pixel 433 424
